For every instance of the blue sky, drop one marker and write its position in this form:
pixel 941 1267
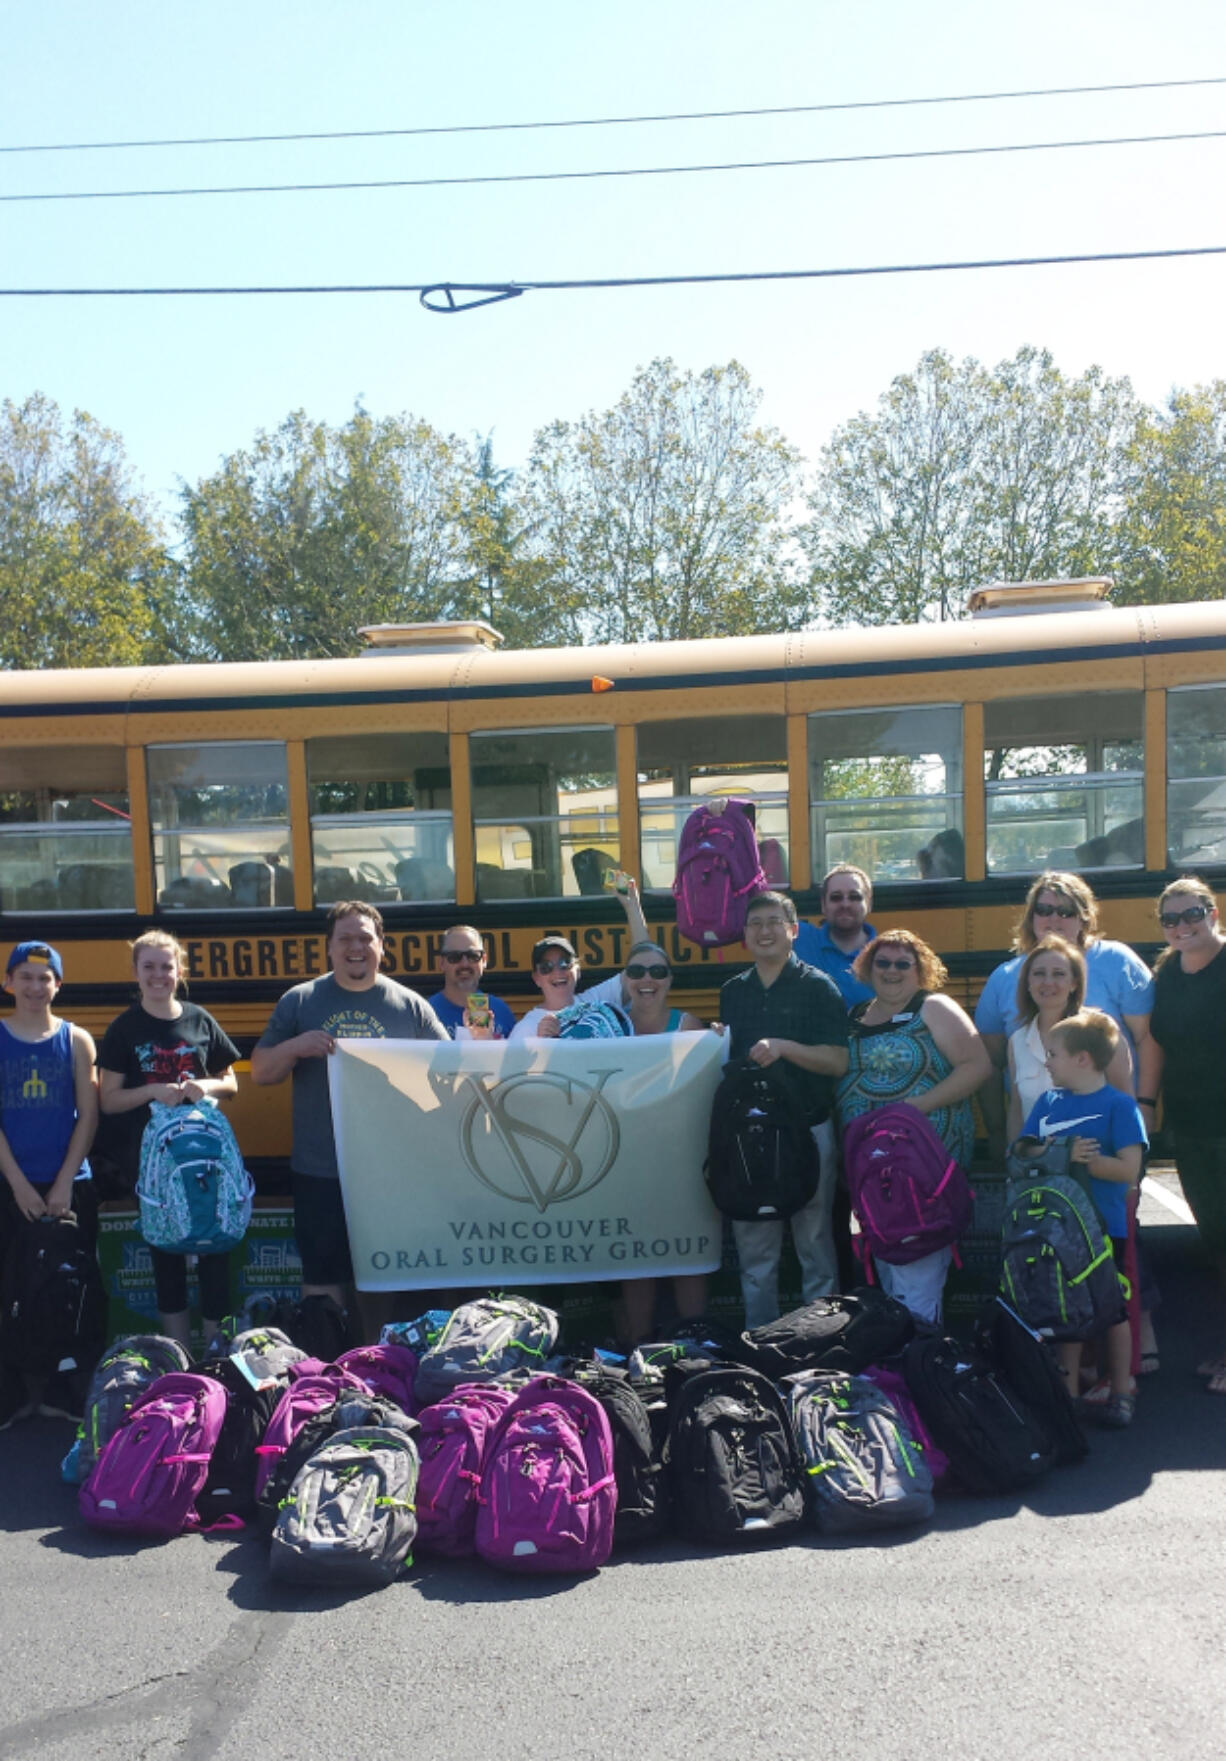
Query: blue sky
pixel 186 381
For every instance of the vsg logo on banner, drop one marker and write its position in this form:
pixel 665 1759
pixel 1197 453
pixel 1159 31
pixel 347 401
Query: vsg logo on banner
pixel 550 1161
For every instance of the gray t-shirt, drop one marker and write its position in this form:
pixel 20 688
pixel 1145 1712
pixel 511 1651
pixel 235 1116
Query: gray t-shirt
pixel 385 1011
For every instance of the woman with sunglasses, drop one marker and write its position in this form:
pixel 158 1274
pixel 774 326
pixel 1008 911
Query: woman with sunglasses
pixel 1189 1026
pixel 1050 985
pixel 1117 981
pixel 647 981
pixel 909 1043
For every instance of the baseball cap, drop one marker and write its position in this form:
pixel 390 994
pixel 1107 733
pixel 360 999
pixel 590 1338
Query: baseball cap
pixel 551 942
pixel 38 954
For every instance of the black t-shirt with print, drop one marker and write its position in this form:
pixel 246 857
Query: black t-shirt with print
pixel 142 1048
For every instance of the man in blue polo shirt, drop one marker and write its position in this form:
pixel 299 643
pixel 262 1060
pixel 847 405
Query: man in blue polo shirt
pixel 461 962
pixel 788 1018
pixel 832 945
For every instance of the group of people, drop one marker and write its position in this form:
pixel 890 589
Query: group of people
pixel 1073 1036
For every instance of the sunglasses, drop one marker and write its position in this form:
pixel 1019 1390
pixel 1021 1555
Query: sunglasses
pixel 637 971
pixel 838 898
pixel 1056 911
pixel 884 965
pixel 457 956
pixel 563 963
pixel 1193 914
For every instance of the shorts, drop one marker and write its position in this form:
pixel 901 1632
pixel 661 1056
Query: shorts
pixel 321 1233
pixel 170 1282
pixel 1201 1162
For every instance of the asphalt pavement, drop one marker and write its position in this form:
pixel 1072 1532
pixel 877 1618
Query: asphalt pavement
pixel 1086 1619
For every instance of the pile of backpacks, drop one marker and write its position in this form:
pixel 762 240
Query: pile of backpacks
pixel 473 1434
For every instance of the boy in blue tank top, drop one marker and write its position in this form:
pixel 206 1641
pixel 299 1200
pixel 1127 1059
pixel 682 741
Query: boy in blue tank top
pixel 1108 1140
pixel 48 1114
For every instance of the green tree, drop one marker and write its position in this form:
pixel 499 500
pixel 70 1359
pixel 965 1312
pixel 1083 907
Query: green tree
pixel 665 517
pixel 1172 534
pixel 500 579
pixel 84 575
pixel 295 544
pixel 966 475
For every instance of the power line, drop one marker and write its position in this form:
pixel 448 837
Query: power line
pixel 411 183
pixel 440 296
pixel 464 128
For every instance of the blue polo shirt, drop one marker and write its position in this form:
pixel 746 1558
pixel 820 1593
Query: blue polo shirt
pixel 816 947
pixel 452 1015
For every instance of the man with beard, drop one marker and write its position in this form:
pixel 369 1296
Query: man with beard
pixel 832 945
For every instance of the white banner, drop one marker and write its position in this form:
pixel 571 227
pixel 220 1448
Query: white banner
pixel 548 1161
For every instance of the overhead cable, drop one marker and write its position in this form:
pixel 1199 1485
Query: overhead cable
pixel 440 296
pixel 417 183
pixel 473 128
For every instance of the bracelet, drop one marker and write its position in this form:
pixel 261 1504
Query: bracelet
pixel 1147 1100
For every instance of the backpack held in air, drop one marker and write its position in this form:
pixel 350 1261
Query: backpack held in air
pixel 1057 1269
pixel 52 1301
pixel 548 1491
pixel 733 1464
pixel 719 871
pixel 350 1518
pixel 762 1162
pixel 909 1195
pixel 194 1192
pixel 865 1469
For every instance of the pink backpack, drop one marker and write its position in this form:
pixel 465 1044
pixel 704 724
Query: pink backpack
pixel 151 1471
pixel 548 1494
pixel 388 1370
pixel 452 1444
pixel 305 1396
pixel 718 873
pixel 909 1196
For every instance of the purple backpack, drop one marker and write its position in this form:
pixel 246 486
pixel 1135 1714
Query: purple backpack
pixel 893 1383
pixel 718 873
pixel 305 1396
pixel 151 1471
pixel 909 1195
pixel 452 1443
pixel 389 1370
pixel 548 1493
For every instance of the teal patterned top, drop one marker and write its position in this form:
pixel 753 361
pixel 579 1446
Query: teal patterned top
pixel 894 1062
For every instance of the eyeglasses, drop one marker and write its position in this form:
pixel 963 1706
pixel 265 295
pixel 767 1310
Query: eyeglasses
pixel 767 922
pixel 838 898
pixel 637 971
pixel 457 956
pixel 884 965
pixel 563 963
pixel 1193 914
pixel 1056 911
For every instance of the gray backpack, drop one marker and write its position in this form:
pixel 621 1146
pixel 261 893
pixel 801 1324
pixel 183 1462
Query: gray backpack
pixel 123 1373
pixel 350 1518
pixel 1057 1269
pixel 490 1340
pixel 865 1469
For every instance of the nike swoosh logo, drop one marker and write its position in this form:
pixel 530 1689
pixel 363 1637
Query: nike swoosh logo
pixel 1049 1127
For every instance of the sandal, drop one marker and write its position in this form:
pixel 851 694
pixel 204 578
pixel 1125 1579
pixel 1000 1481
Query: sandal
pixel 1149 1364
pixel 1211 1367
pixel 1118 1412
pixel 1217 1383
pixel 1099 1395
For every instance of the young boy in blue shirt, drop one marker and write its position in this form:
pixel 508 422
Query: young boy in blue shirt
pixel 1109 1140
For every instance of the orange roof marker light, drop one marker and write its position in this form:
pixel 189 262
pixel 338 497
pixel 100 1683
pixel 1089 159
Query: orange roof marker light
pixel 599 684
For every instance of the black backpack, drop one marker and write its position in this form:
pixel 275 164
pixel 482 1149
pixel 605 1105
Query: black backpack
pixel 642 1490
pixel 761 1157
pixel 833 1333
pixel 229 1490
pixel 1024 1362
pixel 734 1469
pixel 52 1300
pixel 992 1439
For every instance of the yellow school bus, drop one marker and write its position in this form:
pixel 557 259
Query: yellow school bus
pixel 449 782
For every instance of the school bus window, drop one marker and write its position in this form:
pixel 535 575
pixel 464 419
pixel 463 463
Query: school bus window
pixel 544 811
pixel 65 837
pixel 1196 775
pixel 220 820
pixel 681 762
pixel 885 791
pixel 1064 782
pixel 381 817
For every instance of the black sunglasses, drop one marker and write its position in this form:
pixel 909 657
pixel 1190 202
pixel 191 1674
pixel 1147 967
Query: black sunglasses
pixel 1056 911
pixel 838 898
pixel 456 956
pixel 637 971
pixel 1193 914
pixel 563 963
pixel 886 965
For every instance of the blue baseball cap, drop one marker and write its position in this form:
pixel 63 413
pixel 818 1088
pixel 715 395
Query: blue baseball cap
pixel 37 954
